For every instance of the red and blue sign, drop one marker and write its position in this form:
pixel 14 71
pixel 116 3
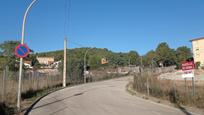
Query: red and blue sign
pixel 22 51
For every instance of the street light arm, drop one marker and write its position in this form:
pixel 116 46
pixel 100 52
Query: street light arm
pixel 24 20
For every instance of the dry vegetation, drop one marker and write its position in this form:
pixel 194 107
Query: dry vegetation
pixel 32 85
pixel 175 91
pixel 35 85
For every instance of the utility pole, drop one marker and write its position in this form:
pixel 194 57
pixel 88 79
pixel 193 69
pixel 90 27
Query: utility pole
pixel 85 65
pixel 21 59
pixel 65 62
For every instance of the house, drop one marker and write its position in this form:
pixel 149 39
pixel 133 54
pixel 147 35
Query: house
pixel 104 61
pixel 27 64
pixel 198 50
pixel 46 60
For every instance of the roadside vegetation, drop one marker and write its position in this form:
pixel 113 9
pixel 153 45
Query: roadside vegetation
pixel 174 91
pixel 35 85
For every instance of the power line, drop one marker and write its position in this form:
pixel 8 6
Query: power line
pixel 75 43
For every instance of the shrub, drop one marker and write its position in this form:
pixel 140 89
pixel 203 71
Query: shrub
pixel 197 65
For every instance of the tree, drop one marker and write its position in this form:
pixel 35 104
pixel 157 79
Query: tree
pixel 182 54
pixel 165 55
pixel 149 58
pixel 7 50
pixel 7 47
pixel 34 62
pixel 133 58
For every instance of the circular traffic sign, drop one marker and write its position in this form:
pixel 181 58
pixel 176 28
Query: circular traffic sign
pixel 22 51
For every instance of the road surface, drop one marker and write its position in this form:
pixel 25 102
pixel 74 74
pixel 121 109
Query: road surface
pixel 100 98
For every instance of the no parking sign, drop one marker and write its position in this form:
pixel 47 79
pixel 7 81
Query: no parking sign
pixel 22 51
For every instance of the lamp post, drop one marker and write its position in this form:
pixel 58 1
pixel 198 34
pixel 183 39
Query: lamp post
pixel 85 64
pixel 21 59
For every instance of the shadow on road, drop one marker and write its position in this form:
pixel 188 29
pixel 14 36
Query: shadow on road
pixel 184 110
pixel 31 108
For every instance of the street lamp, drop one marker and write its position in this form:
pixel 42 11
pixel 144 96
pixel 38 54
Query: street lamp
pixel 85 64
pixel 21 59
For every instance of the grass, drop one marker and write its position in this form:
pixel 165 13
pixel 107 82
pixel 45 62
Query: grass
pixel 174 91
pixel 33 87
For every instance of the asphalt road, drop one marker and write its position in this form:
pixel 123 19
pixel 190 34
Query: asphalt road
pixel 100 98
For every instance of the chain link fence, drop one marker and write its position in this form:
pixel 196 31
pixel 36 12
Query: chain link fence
pixel 176 91
pixel 32 82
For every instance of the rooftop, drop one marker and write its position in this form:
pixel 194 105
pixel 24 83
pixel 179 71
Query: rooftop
pixel 197 39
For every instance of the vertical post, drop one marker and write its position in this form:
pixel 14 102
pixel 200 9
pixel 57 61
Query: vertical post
pixel 141 62
pixel 185 86
pixel 65 62
pixel 85 76
pixel 85 68
pixel 193 85
pixel 175 95
pixel 129 62
pixel 3 85
pixel 21 59
pixel 147 86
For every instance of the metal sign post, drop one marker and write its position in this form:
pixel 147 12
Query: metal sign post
pixel 21 59
pixel 188 69
pixel 21 51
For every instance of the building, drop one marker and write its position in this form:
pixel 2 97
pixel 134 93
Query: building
pixel 104 61
pixel 198 50
pixel 45 60
pixel 27 64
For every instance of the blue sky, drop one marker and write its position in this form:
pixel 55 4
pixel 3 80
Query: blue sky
pixel 119 25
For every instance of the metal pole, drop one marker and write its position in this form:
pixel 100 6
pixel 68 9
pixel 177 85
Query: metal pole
pixel 65 62
pixel 21 59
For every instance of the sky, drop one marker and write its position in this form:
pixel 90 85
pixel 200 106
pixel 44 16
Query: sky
pixel 118 25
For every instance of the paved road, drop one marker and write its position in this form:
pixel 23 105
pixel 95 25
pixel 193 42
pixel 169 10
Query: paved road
pixel 100 98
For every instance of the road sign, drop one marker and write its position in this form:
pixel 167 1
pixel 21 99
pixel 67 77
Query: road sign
pixel 188 65
pixel 22 51
pixel 188 69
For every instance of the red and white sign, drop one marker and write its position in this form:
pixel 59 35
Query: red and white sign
pixel 188 65
pixel 188 69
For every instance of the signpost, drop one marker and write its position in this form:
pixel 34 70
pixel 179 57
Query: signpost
pixel 23 54
pixel 188 72
pixel 21 51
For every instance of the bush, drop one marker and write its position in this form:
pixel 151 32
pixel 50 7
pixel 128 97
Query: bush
pixel 197 65
pixel 174 91
pixel 5 110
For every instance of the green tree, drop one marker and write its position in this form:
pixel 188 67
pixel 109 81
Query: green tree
pixel 133 58
pixel 34 62
pixel 182 54
pixel 149 58
pixel 165 54
pixel 7 47
pixel 7 50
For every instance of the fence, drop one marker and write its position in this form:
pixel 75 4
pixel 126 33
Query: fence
pixel 32 81
pixel 177 92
